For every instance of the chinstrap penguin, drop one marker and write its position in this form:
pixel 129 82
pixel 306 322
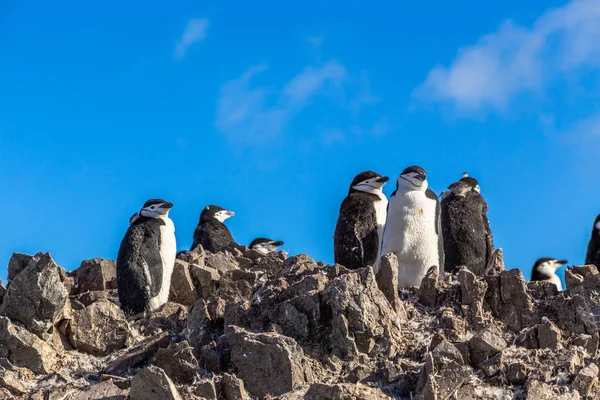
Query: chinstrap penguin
pixel 545 268
pixel 465 227
pixel 593 250
pixel 413 229
pixel 264 245
pixel 359 229
pixel 133 218
pixel 211 232
pixel 146 259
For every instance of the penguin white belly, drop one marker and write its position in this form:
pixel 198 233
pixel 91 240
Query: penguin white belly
pixel 556 280
pixel 410 234
pixel 380 217
pixel 168 251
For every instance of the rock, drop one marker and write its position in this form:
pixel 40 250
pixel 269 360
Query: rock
pixel 549 336
pixel 178 361
pixel 257 356
pixel 537 390
pixel 572 279
pixel 196 256
pixel 588 342
pixel 361 318
pixel 237 285
pixel 104 390
pixel 486 343
pixel 2 291
pixel 171 317
pixel 387 280
pixel 89 298
pixel 206 389
pixel 233 388
pixel 516 373
pixel 196 331
pixel 26 349
pixel 138 354
pixel 36 295
pixel 99 329
pixel 183 290
pixel 153 384
pixel 292 322
pixel 517 306
pixel 345 391
pixel 214 357
pixel 222 262
pixel 18 262
pixel 428 288
pixel 585 380
pixel 205 279
pixel 444 372
pixel 95 274
pixel 10 381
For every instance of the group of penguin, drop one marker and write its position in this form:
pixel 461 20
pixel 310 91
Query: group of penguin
pixel 421 230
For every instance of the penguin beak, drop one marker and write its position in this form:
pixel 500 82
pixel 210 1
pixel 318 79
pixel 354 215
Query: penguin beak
pixel 230 213
pixel 562 262
pixel 278 243
pixel 168 205
pixel 383 179
pixel 421 177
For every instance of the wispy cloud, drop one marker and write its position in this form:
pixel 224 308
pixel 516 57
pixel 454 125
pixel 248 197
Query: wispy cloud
pixel 516 59
pixel 258 113
pixel 195 32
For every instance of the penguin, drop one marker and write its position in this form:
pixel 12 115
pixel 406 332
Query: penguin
pixel 211 232
pixel 413 229
pixel 264 245
pixel 146 259
pixel 593 250
pixel 545 268
pixel 133 218
pixel 359 228
pixel 465 228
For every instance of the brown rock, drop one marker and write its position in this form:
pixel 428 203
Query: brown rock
pixel 196 331
pixel 95 274
pixel 89 298
pixel 516 373
pixel 183 290
pixel 257 356
pixel 233 388
pixel 345 391
pixel 444 372
pixel 206 389
pixel 26 349
pixel 106 390
pixel 11 381
pixel 387 280
pixel 537 390
pixel 99 329
pixel 236 285
pixel 213 357
pixel 292 322
pixel 18 262
pixel 37 295
pixel 585 380
pixel 153 384
pixel 196 256
pixel 171 317
pixel 206 280
pixel 138 354
pixel 588 342
pixel 428 288
pixel 549 336
pixel 517 307
pixel 572 279
pixel 486 343
pixel 178 362
pixel 222 262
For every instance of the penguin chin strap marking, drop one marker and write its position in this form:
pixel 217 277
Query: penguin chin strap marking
pixel 371 188
pixel 413 184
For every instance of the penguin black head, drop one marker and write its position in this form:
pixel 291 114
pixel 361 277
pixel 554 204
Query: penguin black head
pixel 154 208
pixel 368 181
pixel 596 229
pixel 264 245
pixel 413 177
pixel 215 213
pixel 545 268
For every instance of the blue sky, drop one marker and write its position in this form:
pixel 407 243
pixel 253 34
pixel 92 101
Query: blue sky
pixel 270 108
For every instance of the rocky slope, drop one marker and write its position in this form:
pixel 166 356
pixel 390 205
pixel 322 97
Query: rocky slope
pixel 242 325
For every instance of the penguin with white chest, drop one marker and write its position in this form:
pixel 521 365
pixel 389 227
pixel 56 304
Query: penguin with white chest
pixel 593 251
pixel 264 245
pixel 146 259
pixel 465 227
pixel 413 229
pixel 359 228
pixel 211 232
pixel 545 268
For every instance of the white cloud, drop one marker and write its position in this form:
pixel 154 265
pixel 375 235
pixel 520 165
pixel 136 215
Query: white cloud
pixel 260 113
pixel 195 32
pixel 516 60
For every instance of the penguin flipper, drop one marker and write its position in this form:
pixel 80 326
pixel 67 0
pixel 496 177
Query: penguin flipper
pixel 438 227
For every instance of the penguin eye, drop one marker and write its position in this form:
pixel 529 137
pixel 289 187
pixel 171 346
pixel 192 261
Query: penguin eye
pixel 152 208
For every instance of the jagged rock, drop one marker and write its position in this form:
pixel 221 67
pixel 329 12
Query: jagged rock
pixel 516 373
pixel 486 343
pixel 213 357
pixel 298 266
pixel 10 381
pixel 103 390
pixel 196 256
pixel 528 338
pixel 585 380
pixel 36 295
pixel 257 356
pixel 25 349
pixel 18 262
pixel 292 322
pixel 138 354
pixel 346 391
pixel 196 331
pixel 537 390
pixel 549 336
pixel 588 342
pixel 271 264
pixel 95 274
pixel 171 317
pixel 572 279
pixel 222 262
pixel 2 291
pixel 444 372
pixel 99 329
pixel 362 320
pixel 428 288
pixel 183 290
pixel 89 298
pixel 517 306
pixel 387 280
pixel 178 362
pixel 233 388
pixel 236 285
pixel 153 384
pixel 206 389
pixel 206 280
pixel 473 292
